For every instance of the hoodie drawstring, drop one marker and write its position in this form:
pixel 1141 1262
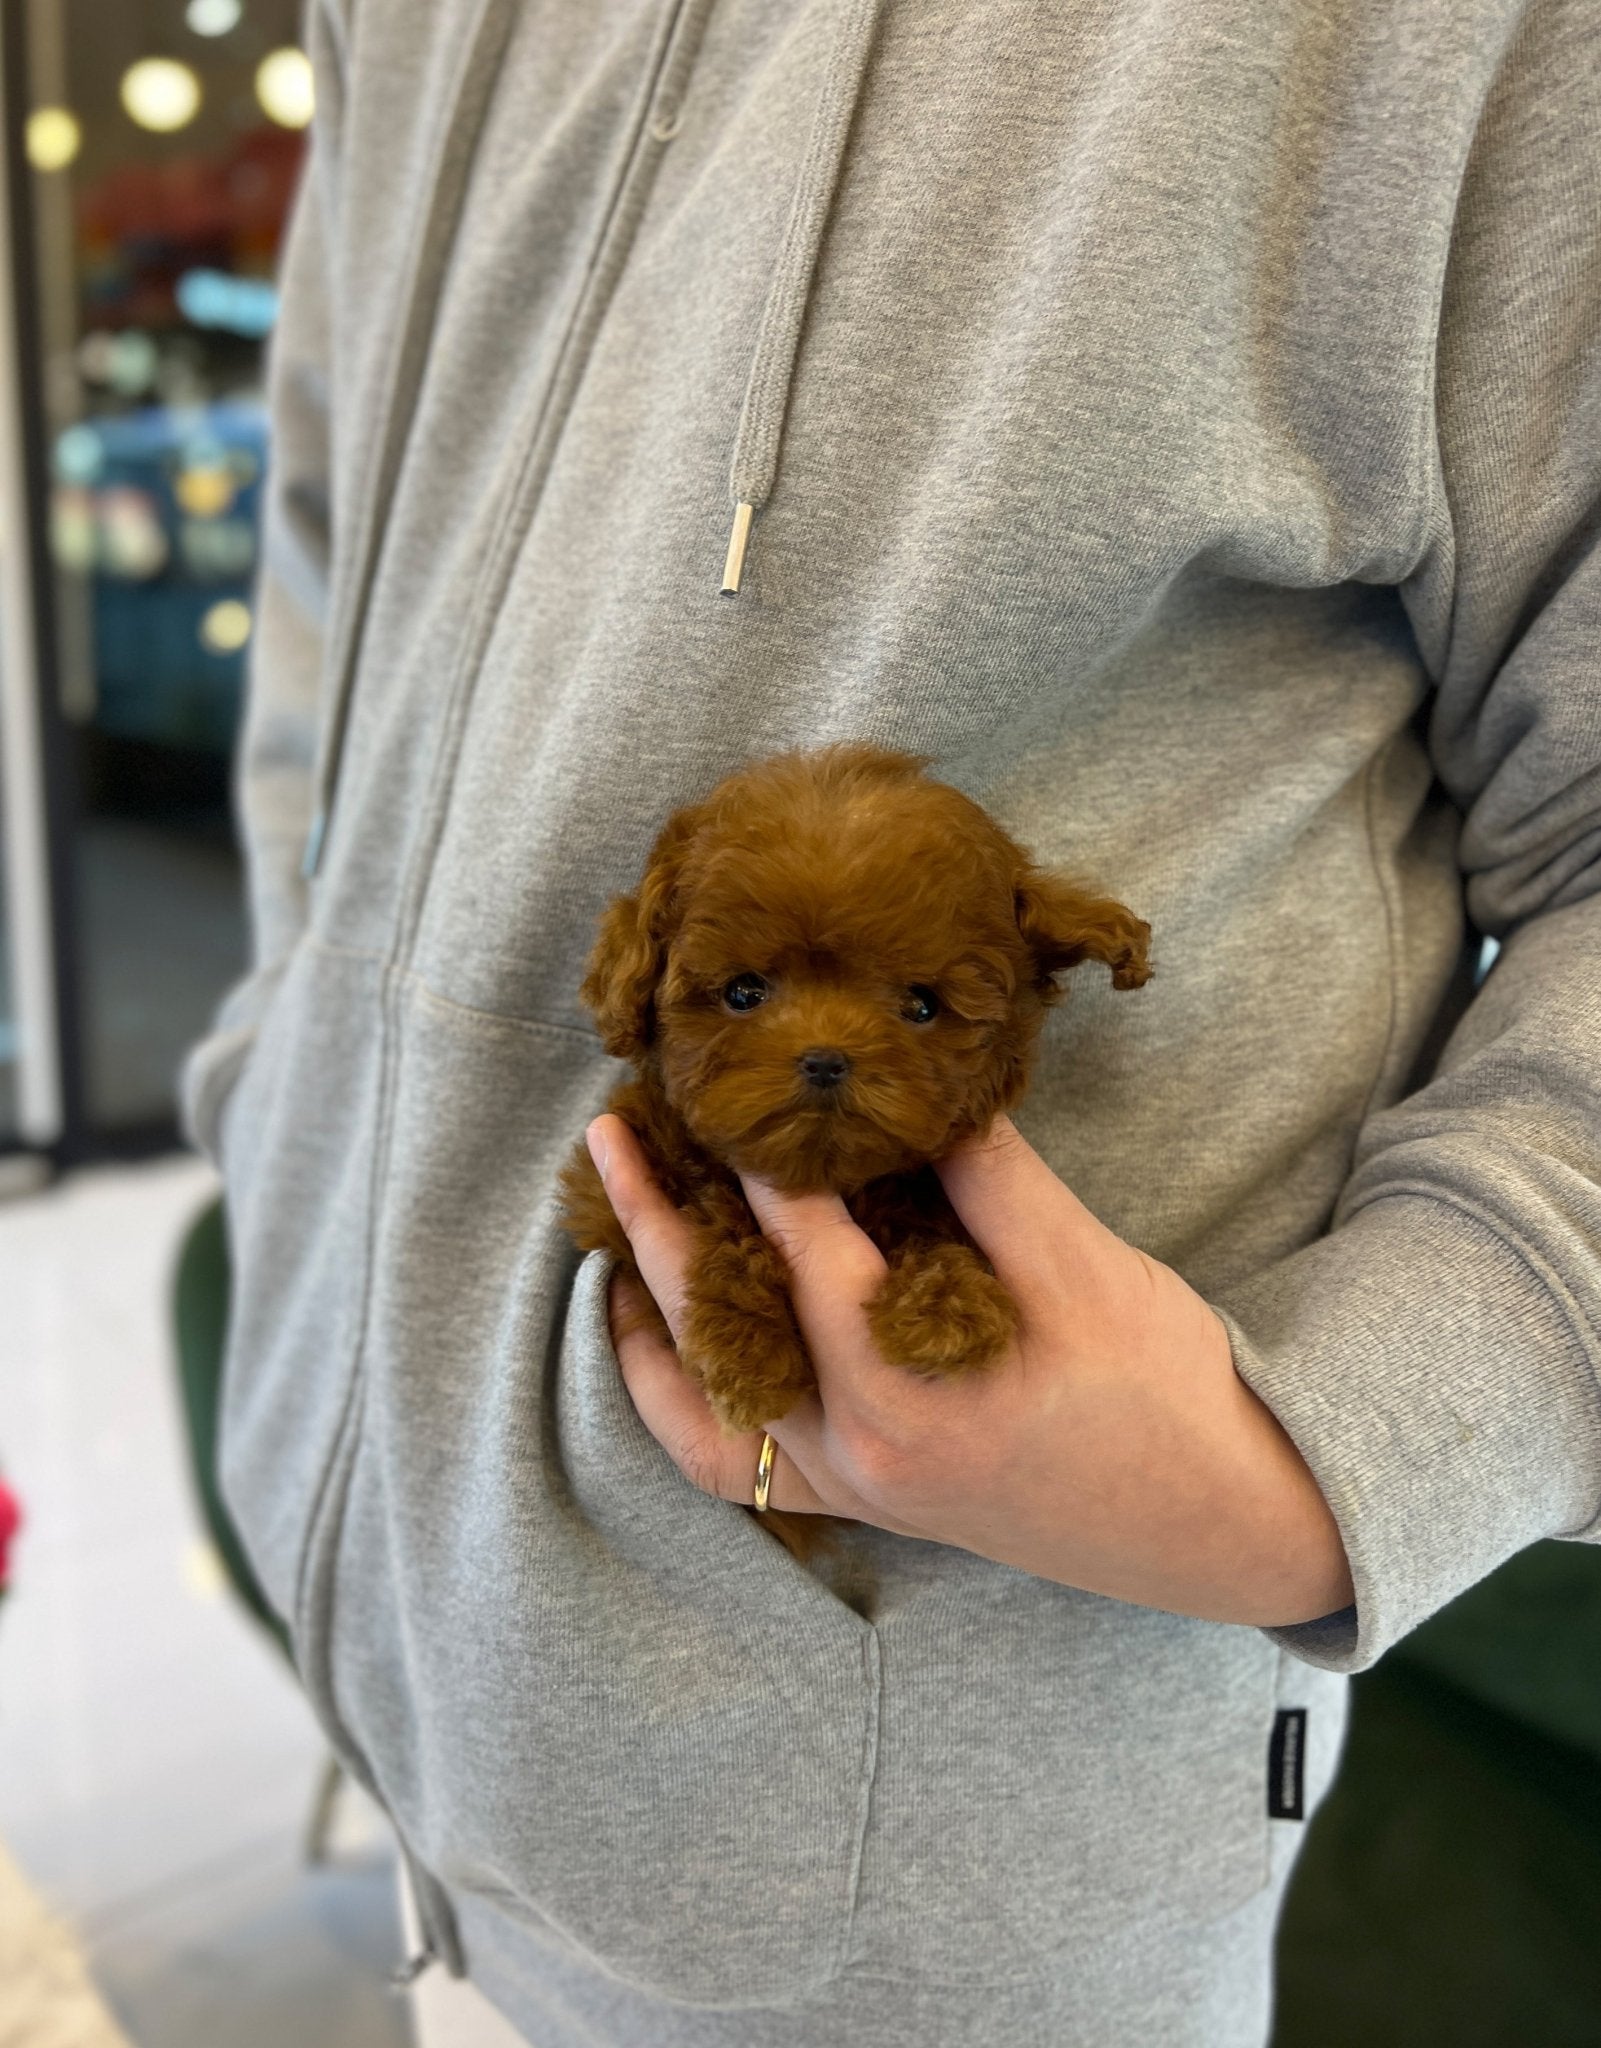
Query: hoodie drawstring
pixel 772 370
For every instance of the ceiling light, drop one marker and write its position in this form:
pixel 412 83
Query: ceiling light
pixel 53 138
pixel 283 86
pixel 213 17
pixel 161 94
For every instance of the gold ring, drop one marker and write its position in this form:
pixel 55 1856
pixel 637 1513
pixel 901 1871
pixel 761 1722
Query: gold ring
pixel 764 1473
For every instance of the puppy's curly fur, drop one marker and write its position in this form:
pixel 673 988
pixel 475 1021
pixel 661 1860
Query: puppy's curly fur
pixel 833 969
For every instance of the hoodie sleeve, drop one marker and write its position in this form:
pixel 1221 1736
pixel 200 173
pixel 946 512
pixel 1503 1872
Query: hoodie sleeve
pixel 1436 1357
pixel 274 764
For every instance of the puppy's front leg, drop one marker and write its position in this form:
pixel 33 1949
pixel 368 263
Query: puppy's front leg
pixel 939 1309
pixel 740 1340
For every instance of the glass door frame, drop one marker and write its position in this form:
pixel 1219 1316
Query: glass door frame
pixel 36 797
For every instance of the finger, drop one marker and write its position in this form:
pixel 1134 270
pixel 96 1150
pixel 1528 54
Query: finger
pixel 677 1414
pixel 824 1467
pixel 1014 1206
pixel 834 1271
pixel 661 1237
pixel 834 1267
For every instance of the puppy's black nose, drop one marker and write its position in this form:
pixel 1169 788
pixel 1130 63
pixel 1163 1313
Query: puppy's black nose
pixel 824 1067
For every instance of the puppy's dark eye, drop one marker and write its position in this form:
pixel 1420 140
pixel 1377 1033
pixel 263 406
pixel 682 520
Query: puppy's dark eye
pixel 920 1006
pixel 746 992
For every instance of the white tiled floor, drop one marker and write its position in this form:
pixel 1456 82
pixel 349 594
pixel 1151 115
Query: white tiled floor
pixel 156 1758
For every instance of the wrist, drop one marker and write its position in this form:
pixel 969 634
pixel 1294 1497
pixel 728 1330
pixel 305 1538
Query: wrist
pixel 1234 1527
pixel 1298 1569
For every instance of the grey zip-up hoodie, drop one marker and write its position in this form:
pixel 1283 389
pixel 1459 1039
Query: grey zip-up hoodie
pixel 1180 418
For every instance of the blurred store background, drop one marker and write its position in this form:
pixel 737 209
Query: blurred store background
pixel 159 144
pixel 171 1872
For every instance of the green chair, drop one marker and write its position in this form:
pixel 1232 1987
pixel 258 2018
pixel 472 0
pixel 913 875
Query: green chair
pixel 200 1322
pixel 1450 1891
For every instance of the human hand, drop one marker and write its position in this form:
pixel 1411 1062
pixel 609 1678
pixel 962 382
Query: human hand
pixel 1112 1447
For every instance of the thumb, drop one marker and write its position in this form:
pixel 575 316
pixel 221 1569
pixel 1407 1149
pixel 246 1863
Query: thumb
pixel 1013 1204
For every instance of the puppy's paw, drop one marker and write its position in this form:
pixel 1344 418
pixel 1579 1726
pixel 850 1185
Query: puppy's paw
pixel 941 1310
pixel 747 1392
pixel 740 1341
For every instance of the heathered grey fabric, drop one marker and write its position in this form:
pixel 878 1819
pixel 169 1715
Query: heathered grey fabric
pixel 1180 418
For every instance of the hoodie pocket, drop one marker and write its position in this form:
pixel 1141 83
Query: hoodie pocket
pixel 584 1689
pixel 613 1706
pixel 1054 1768
pixel 214 1068
pixel 295 1135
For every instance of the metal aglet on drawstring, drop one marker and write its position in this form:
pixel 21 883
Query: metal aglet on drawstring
pixel 734 562
pixel 754 467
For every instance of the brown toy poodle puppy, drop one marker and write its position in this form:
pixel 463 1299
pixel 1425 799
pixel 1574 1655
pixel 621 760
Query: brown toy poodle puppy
pixel 832 970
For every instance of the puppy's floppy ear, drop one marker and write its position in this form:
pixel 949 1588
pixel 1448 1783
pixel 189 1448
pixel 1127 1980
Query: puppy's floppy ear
pixel 630 951
pixel 1063 923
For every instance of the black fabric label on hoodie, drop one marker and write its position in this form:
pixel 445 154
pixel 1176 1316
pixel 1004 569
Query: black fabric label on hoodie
pixel 1286 1766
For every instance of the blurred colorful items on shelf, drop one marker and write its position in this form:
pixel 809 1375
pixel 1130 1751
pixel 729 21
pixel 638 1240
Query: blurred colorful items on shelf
pixel 143 226
pixel 10 1523
pixel 159 509
pixel 238 305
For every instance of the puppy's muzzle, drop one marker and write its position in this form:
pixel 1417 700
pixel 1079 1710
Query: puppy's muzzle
pixel 823 1068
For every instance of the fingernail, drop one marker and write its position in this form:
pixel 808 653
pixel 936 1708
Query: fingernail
pixel 595 1138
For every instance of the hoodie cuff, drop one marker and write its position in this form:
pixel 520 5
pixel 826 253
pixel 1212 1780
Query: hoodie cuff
pixel 1444 1397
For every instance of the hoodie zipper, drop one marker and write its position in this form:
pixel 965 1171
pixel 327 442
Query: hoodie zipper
pixel 455 144
pixel 672 50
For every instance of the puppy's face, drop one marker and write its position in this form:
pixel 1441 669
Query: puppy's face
pixel 839 967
